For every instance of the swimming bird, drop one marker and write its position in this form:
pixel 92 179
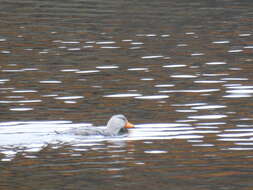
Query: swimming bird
pixel 117 125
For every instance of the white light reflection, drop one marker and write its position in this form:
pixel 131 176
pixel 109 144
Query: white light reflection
pixel 109 47
pixel 235 51
pixel 87 71
pixel 152 57
pixel 123 95
pixel 193 91
pixel 208 116
pixel 208 107
pixel 231 79
pixel 105 42
pixel 186 111
pixel 183 76
pixel 191 104
pixel 209 81
pixel 69 97
pixel 156 151
pixel 50 82
pixel 239 91
pixel 237 96
pixel 240 87
pixel 33 136
pixel 152 97
pixel 20 101
pixel 197 54
pixel 137 69
pixel 147 79
pixel 21 109
pixel 174 66
pixel 207 145
pixel 164 85
pixel 107 67
pixel 216 63
pixel 221 42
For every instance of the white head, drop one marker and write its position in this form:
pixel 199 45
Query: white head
pixel 116 123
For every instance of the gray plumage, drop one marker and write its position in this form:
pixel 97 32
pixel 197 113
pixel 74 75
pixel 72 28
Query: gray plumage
pixel 115 126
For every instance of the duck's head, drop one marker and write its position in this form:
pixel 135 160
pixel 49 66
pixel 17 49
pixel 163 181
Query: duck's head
pixel 118 123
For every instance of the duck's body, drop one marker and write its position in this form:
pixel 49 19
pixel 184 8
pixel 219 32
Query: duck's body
pixel 117 125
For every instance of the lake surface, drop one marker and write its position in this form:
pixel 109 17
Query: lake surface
pixel 181 71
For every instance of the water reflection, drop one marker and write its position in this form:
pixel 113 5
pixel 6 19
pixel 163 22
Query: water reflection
pixel 207 116
pixel 152 97
pixel 184 77
pixel 33 136
pixel 122 95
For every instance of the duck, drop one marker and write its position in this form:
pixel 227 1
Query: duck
pixel 117 125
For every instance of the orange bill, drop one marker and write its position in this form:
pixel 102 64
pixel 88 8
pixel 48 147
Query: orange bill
pixel 129 125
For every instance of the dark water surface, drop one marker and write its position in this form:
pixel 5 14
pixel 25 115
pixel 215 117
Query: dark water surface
pixel 181 71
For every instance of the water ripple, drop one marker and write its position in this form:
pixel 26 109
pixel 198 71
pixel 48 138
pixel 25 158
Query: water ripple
pixel 21 109
pixel 221 42
pixel 152 57
pixel 69 97
pixel 107 67
pixel 138 69
pixel 105 42
pixel 156 151
pixel 110 47
pixel 192 91
pixel 152 97
pixel 164 85
pixel 50 82
pixel 87 71
pixel 33 136
pixel 174 66
pixel 183 76
pixel 208 107
pixel 216 116
pixel 216 63
pixel 123 95
pixel 19 101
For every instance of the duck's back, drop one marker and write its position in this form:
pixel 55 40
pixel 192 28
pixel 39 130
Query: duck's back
pixel 85 131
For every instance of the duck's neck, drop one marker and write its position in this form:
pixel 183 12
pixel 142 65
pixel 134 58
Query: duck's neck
pixel 111 132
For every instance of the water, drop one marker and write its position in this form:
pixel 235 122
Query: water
pixel 180 71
